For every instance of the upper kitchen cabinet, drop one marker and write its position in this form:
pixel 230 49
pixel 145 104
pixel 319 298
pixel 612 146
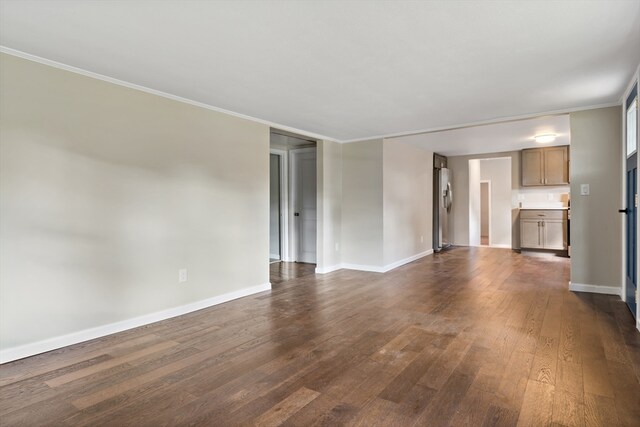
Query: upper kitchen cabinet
pixel 545 166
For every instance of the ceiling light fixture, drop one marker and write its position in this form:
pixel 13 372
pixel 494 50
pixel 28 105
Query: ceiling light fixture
pixel 545 138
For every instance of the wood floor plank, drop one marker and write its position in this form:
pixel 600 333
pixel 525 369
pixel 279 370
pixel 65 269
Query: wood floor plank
pixel 627 393
pixel 545 361
pixel 599 411
pixel 568 404
pixel 498 416
pixel 537 406
pixel 81 373
pixel 284 409
pixel 469 336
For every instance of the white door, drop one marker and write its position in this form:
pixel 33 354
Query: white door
pixel 304 204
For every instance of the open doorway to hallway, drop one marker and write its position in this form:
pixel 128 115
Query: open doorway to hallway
pixel 490 218
pixel 293 195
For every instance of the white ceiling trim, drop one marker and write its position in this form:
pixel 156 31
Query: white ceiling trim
pixel 55 64
pixel 488 122
pixel 301 132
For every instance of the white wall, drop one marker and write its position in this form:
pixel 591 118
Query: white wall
pixel 474 202
pixel 498 171
pixel 105 192
pixel 362 204
pixel 596 159
pixel 386 204
pixel 408 187
pixel 329 206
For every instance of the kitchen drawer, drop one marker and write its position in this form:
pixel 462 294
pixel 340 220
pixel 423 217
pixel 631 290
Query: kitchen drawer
pixel 543 214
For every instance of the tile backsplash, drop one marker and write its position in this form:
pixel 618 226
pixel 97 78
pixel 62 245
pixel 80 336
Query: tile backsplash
pixel 543 197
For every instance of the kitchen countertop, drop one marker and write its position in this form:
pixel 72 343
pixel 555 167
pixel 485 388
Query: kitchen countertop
pixel 545 209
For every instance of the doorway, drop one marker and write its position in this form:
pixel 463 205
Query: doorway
pixel 485 213
pixel 292 199
pixel 490 202
pixel 631 199
pixel 275 207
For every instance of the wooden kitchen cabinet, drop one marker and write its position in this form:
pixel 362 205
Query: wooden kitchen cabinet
pixel 543 229
pixel 554 234
pixel 530 234
pixel 545 166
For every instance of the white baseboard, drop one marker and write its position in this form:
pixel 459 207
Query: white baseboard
pixel 325 270
pixel 362 267
pixel 501 246
pixel 274 256
pixel 385 268
pixel 594 289
pixel 15 353
pixel 412 258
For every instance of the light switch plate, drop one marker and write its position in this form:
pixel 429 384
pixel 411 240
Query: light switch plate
pixel 584 189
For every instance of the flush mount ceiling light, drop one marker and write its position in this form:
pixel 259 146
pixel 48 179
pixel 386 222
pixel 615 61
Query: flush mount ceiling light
pixel 545 138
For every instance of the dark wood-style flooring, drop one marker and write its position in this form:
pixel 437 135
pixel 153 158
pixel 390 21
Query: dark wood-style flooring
pixel 471 336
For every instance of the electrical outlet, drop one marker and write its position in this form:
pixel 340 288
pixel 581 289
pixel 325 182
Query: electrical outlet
pixel 337 247
pixel 550 197
pixel 421 239
pixel 520 196
pixel 182 275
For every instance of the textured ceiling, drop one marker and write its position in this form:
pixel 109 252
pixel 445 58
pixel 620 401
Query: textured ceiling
pixel 351 69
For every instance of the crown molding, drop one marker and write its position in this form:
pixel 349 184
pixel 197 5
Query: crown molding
pixel 61 66
pixel 485 122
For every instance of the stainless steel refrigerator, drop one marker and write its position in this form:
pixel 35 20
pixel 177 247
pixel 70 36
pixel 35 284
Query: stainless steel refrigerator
pixel 442 200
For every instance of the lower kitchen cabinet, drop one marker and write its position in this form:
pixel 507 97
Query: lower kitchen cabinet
pixel 543 229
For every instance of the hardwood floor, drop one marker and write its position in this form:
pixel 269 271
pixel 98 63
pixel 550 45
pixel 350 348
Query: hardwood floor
pixel 470 336
pixel 282 271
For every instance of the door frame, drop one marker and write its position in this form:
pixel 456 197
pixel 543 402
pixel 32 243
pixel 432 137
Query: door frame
pixel 635 80
pixel 293 229
pixel 284 205
pixel 488 182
